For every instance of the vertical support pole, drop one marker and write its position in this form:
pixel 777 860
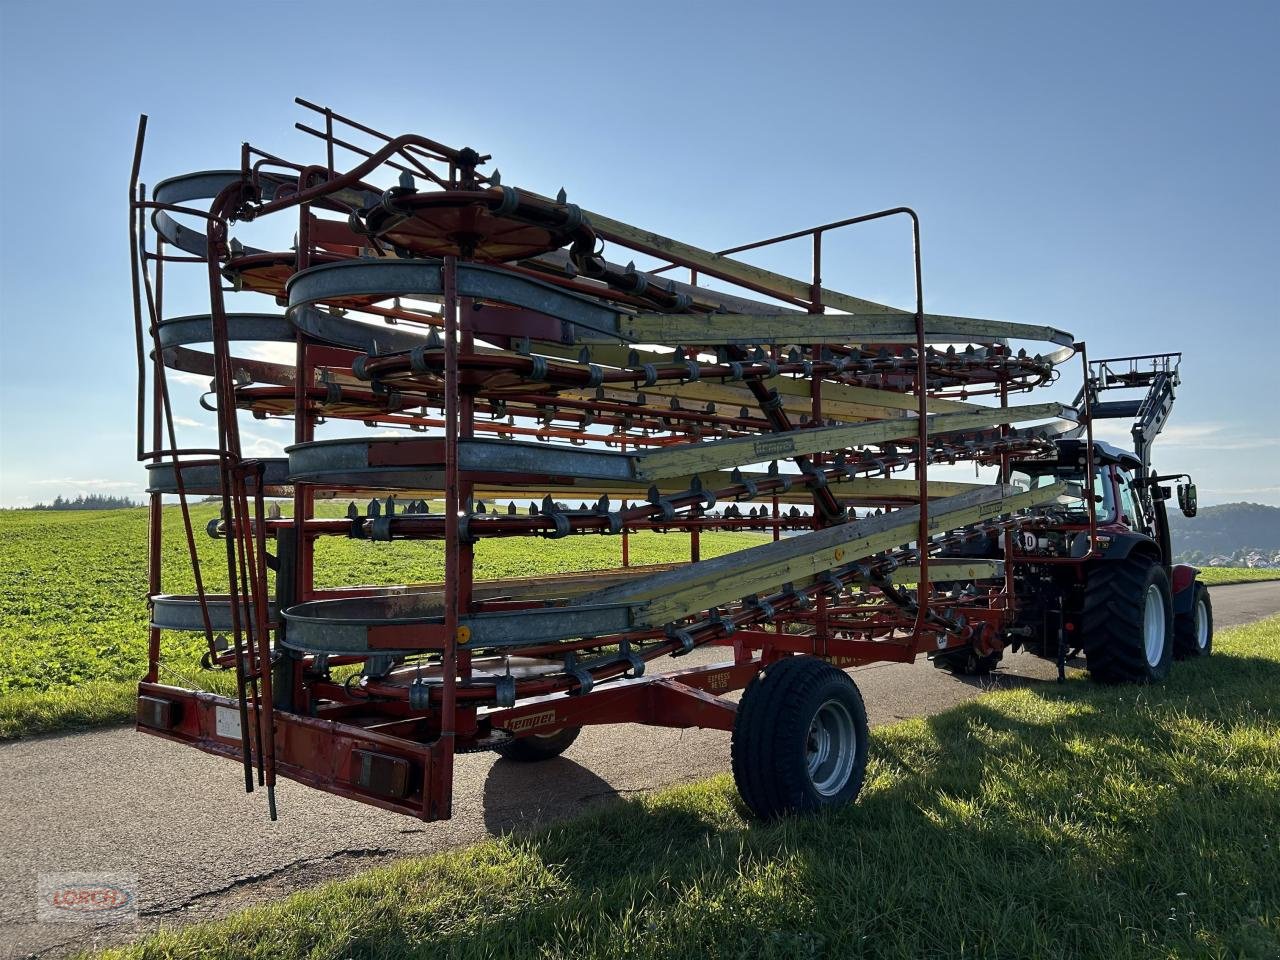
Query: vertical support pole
pixel 229 464
pixel 626 505
pixel 328 139
pixel 440 802
pixel 301 571
pixel 821 622
pixel 304 431
pixel 266 695
pixel 1086 411
pixel 1010 595
pixel 136 195
pixel 466 430
pixel 137 246
pixel 922 432
pixel 695 534
pixel 155 505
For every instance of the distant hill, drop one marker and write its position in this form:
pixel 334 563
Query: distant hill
pixel 1228 529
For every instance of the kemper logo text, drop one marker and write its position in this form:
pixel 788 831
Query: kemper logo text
pixel 532 720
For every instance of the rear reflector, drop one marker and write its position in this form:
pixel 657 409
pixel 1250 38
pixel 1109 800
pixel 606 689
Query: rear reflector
pixel 380 773
pixel 158 713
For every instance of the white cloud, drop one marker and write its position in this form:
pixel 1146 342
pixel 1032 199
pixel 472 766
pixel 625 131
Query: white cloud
pixel 282 353
pixel 1240 491
pixel 256 445
pixel 187 422
pixel 1214 436
pixel 197 380
pixel 94 483
pixel 1201 436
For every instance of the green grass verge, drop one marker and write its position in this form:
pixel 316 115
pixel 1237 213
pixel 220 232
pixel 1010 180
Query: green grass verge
pixel 1222 576
pixel 73 585
pixel 1044 822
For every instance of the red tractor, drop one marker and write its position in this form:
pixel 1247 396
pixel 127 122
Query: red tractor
pixel 1097 577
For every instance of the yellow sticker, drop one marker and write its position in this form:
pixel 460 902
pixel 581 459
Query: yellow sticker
pixel 464 635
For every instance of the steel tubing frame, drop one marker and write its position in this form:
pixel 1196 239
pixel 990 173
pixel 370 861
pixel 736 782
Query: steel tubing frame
pixel 392 743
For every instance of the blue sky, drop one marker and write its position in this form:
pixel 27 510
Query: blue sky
pixel 1107 168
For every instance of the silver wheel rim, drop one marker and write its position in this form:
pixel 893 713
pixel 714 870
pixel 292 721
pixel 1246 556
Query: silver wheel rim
pixel 1153 625
pixel 830 748
pixel 1202 625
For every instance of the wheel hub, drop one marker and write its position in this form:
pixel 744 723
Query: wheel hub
pixel 1202 625
pixel 831 746
pixel 1153 625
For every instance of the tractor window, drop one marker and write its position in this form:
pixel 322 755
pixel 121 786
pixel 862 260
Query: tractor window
pixel 1104 499
pixel 1131 512
pixel 1029 475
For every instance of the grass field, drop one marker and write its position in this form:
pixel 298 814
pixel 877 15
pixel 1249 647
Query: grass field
pixel 1046 822
pixel 1220 576
pixel 73 585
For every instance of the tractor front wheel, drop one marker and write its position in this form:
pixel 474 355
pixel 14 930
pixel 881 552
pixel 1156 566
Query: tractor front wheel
pixel 799 739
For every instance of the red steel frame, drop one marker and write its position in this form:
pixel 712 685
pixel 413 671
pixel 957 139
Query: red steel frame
pixel 371 742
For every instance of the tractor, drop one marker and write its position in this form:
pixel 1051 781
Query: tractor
pixel 1098 578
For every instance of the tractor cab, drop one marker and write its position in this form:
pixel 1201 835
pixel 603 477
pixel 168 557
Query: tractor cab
pixel 1128 500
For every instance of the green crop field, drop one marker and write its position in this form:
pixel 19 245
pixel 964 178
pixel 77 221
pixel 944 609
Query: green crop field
pixel 73 598
pixel 73 585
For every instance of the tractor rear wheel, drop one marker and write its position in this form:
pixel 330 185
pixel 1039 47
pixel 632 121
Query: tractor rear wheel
pixel 800 739
pixel 1126 624
pixel 1193 632
pixel 539 746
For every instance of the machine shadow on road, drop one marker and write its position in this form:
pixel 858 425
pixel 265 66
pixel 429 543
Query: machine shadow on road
pixel 999 680
pixel 518 795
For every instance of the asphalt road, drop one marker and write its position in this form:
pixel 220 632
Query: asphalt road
pixel 179 821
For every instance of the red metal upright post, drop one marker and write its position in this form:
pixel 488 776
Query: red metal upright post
pixel 442 756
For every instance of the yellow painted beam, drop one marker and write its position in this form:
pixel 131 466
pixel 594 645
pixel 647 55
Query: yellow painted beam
pixel 842 328
pixel 697 457
pixel 668 597
pixel 725 267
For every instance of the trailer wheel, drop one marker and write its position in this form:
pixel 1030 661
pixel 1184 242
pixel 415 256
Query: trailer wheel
pixel 1127 622
pixel 1193 632
pixel 538 746
pixel 799 739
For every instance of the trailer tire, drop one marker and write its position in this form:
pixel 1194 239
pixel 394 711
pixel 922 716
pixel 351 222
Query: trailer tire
pixel 1193 632
pixel 1126 624
pixel 538 746
pixel 799 739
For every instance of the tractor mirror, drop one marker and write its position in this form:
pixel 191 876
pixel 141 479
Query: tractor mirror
pixel 1187 499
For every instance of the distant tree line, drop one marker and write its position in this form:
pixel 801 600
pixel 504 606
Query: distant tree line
pixel 94 501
